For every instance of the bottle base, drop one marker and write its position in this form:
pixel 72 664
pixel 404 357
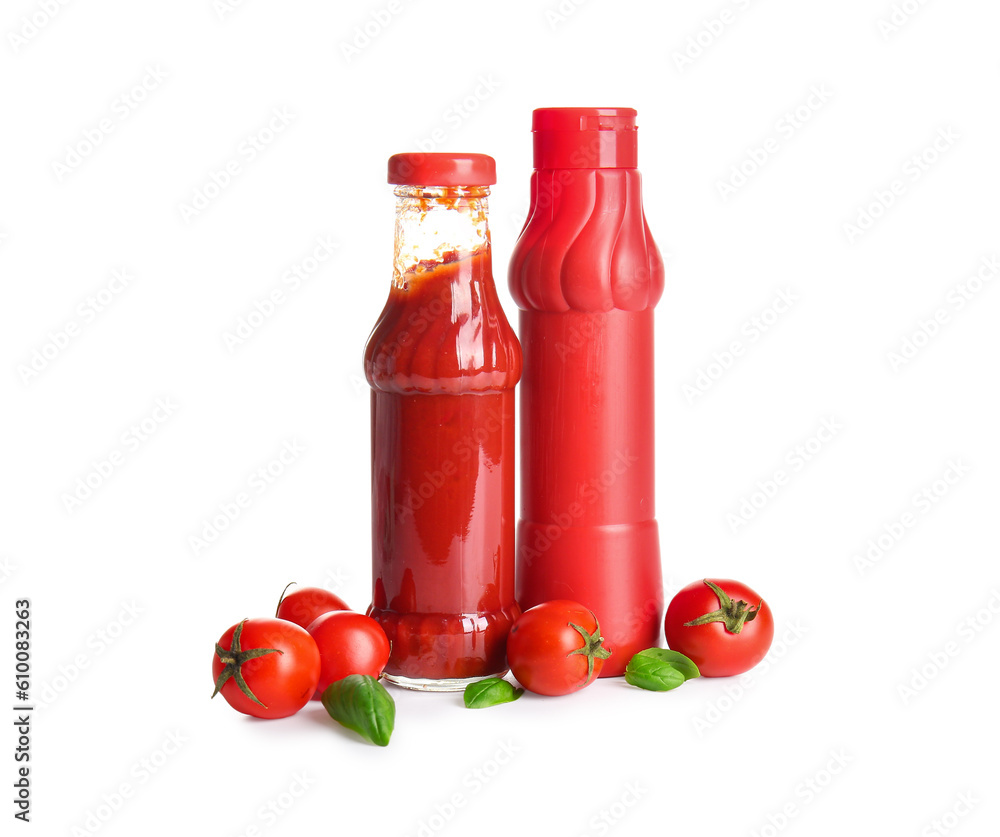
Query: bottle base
pixel 431 650
pixel 422 684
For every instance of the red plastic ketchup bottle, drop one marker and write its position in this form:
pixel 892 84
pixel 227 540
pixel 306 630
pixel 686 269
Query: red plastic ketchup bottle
pixel 442 362
pixel 586 274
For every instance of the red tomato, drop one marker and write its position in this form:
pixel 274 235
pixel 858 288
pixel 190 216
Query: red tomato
pixel 302 606
pixel 556 648
pixel 267 668
pixel 723 625
pixel 349 643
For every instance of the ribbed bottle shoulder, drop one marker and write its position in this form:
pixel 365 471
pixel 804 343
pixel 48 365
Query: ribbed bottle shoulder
pixel 586 245
pixel 443 332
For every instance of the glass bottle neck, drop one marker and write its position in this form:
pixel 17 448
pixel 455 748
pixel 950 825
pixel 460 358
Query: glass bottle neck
pixel 438 225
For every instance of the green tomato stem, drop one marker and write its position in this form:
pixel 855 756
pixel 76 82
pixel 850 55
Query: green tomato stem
pixel 234 658
pixel 593 647
pixel 733 615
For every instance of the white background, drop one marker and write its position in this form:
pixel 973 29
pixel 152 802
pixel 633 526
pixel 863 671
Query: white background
pixel 819 740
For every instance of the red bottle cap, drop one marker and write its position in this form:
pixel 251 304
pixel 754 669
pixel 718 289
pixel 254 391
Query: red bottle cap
pixel 585 138
pixel 439 169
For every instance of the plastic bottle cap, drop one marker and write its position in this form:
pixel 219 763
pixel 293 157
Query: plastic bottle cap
pixel 585 138
pixel 441 169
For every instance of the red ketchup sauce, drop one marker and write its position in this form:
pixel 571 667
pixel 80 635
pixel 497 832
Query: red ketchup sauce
pixel 442 362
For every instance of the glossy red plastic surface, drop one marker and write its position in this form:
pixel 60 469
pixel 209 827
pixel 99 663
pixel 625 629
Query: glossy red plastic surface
pixel 442 362
pixel 586 275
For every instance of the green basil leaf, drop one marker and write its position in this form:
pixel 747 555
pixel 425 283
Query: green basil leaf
pixel 490 692
pixel 359 702
pixel 683 664
pixel 659 669
pixel 654 676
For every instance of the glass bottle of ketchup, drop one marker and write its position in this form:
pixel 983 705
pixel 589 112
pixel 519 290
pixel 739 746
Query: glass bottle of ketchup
pixel 586 274
pixel 442 362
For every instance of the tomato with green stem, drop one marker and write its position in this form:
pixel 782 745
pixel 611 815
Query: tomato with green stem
pixel 268 668
pixel 721 624
pixel 556 648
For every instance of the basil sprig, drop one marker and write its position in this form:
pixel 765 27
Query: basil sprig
pixel 359 702
pixel 659 670
pixel 490 692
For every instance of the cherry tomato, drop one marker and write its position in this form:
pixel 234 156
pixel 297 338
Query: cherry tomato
pixel 556 648
pixel 723 625
pixel 349 643
pixel 302 606
pixel 267 668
